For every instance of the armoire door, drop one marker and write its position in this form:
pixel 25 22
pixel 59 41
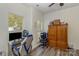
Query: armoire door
pixel 52 36
pixel 62 36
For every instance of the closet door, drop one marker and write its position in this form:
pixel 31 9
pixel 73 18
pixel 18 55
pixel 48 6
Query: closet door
pixel 52 36
pixel 62 36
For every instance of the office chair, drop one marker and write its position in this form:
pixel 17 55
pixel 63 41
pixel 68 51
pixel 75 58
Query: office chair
pixel 28 42
pixel 26 45
pixel 43 39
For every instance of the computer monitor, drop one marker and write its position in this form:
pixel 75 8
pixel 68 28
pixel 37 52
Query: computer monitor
pixel 14 36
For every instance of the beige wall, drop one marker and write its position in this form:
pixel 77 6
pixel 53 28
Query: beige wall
pixel 3 29
pixel 71 16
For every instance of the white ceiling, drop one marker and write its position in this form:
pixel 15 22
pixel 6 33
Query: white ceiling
pixel 44 6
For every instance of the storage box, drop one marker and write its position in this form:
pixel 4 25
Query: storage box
pixel 57 21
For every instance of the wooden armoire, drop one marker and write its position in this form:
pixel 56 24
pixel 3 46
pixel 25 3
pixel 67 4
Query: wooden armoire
pixel 57 34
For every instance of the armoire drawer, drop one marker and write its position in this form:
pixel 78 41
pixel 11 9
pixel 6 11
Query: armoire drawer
pixel 51 35
pixel 52 38
pixel 63 42
pixel 52 43
pixel 62 45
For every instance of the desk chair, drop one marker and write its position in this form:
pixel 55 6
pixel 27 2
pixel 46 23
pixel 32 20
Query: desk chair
pixel 26 45
pixel 43 39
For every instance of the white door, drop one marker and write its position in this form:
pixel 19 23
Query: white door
pixel 37 29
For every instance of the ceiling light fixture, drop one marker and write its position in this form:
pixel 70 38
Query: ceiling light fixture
pixel 61 4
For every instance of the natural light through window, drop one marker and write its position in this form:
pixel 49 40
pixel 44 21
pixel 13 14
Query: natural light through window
pixel 15 22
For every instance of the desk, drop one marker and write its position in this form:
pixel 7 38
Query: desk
pixel 17 42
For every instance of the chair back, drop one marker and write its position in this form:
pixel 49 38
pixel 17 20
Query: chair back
pixel 25 33
pixel 29 41
pixel 43 35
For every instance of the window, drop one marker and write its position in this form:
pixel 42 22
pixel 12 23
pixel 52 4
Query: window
pixel 15 22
